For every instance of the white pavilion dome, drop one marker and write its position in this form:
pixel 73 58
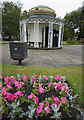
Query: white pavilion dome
pixel 42 11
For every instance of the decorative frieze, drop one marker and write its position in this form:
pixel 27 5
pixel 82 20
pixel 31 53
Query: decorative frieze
pixel 40 20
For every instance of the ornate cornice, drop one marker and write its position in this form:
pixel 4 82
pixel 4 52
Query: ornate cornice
pixel 41 20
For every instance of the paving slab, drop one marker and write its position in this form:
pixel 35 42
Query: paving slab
pixel 69 55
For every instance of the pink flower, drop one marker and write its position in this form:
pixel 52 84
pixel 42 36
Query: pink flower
pixel 24 77
pixel 35 99
pixel 55 98
pixel 53 104
pixel 6 79
pixel 0 85
pixel 7 95
pixel 66 91
pixel 57 103
pixel 35 76
pixel 1 77
pixel 47 103
pixel 19 93
pixel 15 95
pixel 34 84
pixel 41 90
pixel 63 100
pixel 66 88
pixel 4 91
pixel 10 87
pixel 50 83
pixel 11 97
pixel 33 79
pixel 19 86
pixel 16 83
pixel 38 110
pixel 58 78
pixel 22 83
pixel 45 77
pixel 31 96
pixel 41 104
pixel 8 83
pixel 57 85
pixel 40 85
pixel 61 87
pixel 47 110
pixel 12 79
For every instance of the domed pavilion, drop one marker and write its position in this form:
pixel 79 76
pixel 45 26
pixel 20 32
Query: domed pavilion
pixel 42 28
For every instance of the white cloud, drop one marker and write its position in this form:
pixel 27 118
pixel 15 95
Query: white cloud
pixel 61 7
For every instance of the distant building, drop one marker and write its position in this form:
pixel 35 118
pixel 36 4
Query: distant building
pixel 42 28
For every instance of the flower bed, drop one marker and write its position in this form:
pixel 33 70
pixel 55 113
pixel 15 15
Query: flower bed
pixel 45 97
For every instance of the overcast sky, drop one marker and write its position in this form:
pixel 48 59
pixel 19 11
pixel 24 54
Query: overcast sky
pixel 61 7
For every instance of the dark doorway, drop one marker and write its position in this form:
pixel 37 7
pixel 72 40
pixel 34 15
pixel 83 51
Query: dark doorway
pixel 55 38
pixel 42 36
pixel 46 36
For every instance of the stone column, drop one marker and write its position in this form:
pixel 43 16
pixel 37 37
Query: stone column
pixel 25 38
pixel 28 34
pixel 62 32
pixel 44 38
pixel 22 36
pixel 36 34
pixel 59 38
pixel 50 35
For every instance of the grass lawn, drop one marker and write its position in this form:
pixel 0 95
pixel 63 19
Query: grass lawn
pixel 72 43
pixel 3 42
pixel 72 74
pixel 64 43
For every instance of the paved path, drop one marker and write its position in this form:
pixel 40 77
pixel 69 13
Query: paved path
pixel 69 55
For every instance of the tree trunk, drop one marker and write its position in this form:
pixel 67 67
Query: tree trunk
pixel 9 37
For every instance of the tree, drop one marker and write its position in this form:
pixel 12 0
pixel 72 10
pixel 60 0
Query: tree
pixel 74 20
pixel 10 18
pixel 71 23
pixel 24 14
pixel 81 34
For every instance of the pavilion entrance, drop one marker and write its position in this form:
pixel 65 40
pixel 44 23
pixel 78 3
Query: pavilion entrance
pixel 55 38
pixel 46 36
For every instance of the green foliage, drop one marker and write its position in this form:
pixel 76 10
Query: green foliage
pixel 4 42
pixel 73 42
pixel 24 14
pixel 4 108
pixel 56 113
pixel 30 112
pixel 74 20
pixel 11 16
pixel 15 109
pixel 23 99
